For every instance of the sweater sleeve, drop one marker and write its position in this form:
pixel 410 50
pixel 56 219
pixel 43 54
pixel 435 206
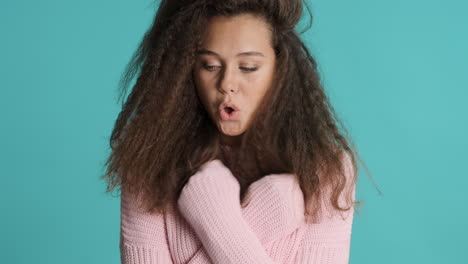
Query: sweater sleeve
pixel 328 239
pixel 208 202
pixel 326 243
pixel 143 237
pixel 273 208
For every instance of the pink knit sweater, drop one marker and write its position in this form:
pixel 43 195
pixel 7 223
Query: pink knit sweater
pixel 210 225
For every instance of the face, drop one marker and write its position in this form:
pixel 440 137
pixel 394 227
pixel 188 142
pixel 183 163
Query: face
pixel 236 65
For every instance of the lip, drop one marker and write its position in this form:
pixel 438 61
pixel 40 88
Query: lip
pixel 228 116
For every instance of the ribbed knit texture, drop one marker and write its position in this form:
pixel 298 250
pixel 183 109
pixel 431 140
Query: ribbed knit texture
pixel 209 225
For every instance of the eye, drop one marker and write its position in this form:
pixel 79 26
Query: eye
pixel 209 67
pixel 248 69
pixel 213 68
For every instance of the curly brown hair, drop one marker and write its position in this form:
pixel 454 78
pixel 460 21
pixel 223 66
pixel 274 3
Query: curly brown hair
pixel 163 134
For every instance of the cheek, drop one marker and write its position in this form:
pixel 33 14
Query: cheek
pixel 205 94
pixel 205 83
pixel 255 95
pixel 200 85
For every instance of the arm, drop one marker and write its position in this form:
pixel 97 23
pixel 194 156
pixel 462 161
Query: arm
pixel 273 208
pixel 142 235
pixel 328 239
pixel 326 242
pixel 210 203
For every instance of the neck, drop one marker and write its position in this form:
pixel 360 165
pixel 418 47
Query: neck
pixel 231 141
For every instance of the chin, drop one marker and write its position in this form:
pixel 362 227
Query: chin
pixel 230 131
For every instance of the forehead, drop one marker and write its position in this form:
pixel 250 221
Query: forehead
pixel 230 35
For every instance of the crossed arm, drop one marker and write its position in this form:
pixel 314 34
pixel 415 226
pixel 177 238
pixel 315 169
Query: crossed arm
pixel 234 233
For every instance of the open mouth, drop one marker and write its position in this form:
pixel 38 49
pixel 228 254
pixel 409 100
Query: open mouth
pixel 229 110
pixel 229 113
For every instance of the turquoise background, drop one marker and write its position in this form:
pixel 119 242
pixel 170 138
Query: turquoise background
pixel 396 72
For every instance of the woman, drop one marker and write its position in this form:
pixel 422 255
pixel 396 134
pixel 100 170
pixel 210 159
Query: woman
pixel 227 149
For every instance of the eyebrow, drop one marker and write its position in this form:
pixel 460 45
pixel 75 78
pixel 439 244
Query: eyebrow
pixel 245 53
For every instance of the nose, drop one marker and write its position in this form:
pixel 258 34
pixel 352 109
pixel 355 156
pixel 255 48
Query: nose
pixel 228 82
